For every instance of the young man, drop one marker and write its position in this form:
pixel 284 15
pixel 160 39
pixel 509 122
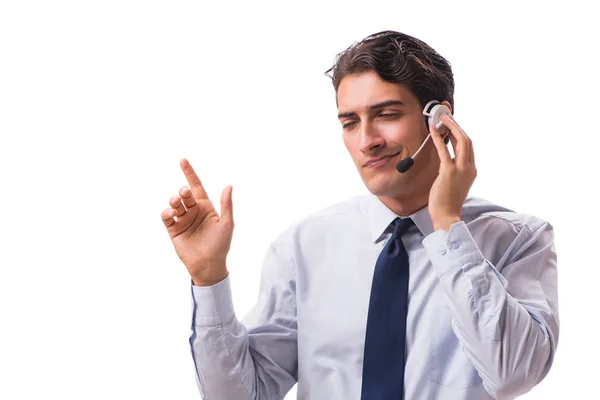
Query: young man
pixel 414 291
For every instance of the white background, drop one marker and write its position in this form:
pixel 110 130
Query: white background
pixel 99 100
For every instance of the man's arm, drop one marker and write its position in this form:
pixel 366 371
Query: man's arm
pixel 507 323
pixel 256 359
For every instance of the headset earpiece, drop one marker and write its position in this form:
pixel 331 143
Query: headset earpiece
pixel 433 112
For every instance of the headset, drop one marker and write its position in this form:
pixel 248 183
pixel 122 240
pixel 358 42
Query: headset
pixel 433 112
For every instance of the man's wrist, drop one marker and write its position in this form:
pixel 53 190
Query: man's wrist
pixel 444 223
pixel 208 281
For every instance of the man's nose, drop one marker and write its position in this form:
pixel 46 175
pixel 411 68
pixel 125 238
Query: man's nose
pixel 370 138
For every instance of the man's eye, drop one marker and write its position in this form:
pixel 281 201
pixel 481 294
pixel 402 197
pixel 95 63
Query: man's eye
pixel 389 115
pixel 349 124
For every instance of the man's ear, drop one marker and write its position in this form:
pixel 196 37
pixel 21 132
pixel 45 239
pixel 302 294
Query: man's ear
pixel 447 104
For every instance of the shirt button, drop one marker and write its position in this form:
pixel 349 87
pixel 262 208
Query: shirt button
pixel 455 246
pixel 442 251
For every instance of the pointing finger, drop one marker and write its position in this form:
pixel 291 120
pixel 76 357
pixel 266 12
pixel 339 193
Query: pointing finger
pixel 193 180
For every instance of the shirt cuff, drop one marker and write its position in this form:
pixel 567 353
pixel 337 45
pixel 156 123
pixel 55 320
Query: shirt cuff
pixel 452 249
pixel 212 305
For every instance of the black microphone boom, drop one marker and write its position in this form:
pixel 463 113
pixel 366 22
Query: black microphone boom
pixel 405 164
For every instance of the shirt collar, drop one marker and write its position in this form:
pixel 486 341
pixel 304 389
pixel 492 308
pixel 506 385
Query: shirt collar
pixel 380 217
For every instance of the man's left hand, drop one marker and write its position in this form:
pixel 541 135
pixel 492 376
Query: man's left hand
pixel 449 190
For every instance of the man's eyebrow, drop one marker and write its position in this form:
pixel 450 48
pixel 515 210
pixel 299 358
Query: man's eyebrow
pixel 387 103
pixel 374 107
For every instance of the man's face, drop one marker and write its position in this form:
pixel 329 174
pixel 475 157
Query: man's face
pixel 385 119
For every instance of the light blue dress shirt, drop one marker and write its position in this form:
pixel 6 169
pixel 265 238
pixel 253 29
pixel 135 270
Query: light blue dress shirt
pixel 482 317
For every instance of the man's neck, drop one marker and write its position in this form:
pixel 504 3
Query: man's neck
pixel 405 205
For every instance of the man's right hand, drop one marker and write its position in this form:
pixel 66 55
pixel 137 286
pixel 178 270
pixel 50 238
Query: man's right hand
pixel 200 236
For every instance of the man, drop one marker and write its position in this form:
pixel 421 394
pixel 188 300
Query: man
pixel 414 291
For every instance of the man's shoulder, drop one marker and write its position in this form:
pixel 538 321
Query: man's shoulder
pixel 504 235
pixel 343 213
pixel 342 208
pixel 478 210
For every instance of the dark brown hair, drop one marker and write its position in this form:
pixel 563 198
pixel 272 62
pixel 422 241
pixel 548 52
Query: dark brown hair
pixel 398 58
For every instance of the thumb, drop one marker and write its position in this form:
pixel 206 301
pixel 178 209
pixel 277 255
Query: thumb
pixel 227 206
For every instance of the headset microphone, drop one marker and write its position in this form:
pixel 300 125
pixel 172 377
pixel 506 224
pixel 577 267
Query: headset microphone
pixel 433 112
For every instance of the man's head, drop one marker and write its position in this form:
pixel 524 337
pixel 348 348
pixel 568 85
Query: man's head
pixel 382 84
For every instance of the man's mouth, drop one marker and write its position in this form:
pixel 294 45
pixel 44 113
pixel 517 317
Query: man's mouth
pixel 376 162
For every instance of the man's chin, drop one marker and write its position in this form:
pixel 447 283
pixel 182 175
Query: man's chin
pixel 381 187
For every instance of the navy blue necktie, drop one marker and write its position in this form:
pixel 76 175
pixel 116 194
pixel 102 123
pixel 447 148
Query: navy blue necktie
pixel 383 363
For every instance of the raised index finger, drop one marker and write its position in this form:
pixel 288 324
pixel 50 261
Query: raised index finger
pixel 195 183
pixel 462 151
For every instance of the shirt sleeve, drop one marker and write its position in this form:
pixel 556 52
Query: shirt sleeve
pixel 253 359
pixel 507 323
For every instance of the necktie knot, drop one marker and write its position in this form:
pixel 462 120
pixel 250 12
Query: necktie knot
pixel 401 225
